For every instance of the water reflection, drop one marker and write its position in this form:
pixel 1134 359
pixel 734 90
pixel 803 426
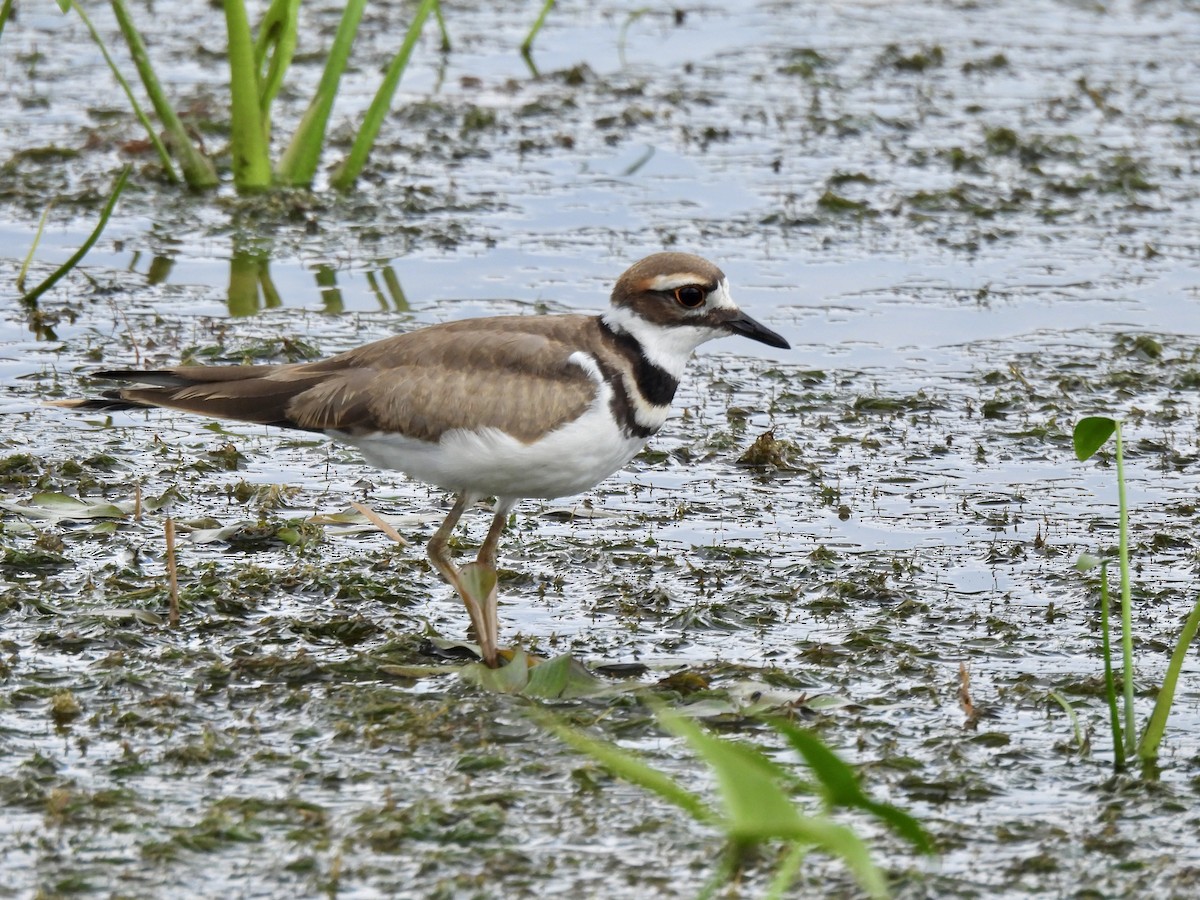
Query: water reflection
pixel 159 270
pixel 251 289
pixel 394 299
pixel 331 294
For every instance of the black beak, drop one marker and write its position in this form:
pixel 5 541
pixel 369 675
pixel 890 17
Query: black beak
pixel 740 323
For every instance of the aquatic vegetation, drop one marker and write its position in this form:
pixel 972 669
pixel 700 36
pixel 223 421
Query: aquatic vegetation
pixel 756 795
pixel 29 298
pixel 258 60
pixel 1090 435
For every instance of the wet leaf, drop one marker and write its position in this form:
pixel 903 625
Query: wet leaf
pixel 100 529
pixel 509 679
pixel 34 558
pixel 126 614
pixel 827 702
pixel 581 512
pixel 768 451
pixel 562 676
pixel 1091 434
pixel 479 581
pixel 56 507
pixel 224 533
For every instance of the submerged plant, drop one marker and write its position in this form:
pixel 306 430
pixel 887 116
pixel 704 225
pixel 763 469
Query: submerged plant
pixel 1090 435
pixel 757 803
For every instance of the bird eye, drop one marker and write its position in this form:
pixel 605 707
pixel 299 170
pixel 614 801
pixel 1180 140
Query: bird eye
pixel 690 296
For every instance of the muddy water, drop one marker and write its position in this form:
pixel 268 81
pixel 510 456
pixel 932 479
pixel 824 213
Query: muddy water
pixel 975 225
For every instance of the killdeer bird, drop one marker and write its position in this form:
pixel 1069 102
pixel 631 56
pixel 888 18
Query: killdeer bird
pixel 506 407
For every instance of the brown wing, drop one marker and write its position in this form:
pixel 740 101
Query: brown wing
pixel 511 373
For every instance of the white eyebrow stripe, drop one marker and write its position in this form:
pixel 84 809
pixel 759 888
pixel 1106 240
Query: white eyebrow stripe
pixel 720 298
pixel 675 280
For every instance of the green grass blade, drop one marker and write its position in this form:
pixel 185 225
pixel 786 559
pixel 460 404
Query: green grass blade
pixel 350 168
pixel 1152 736
pixel 276 42
pixel 37 239
pixel 163 156
pixel 247 138
pixel 441 21
pixel 5 13
pixel 840 785
pixel 1090 435
pixel 119 185
pixel 198 170
pixel 630 767
pixel 1110 685
pixel 1126 600
pixel 527 44
pixel 786 873
pixel 299 162
pixel 1072 717
pixel 623 34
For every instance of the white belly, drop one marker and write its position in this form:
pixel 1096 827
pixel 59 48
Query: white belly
pixel 489 462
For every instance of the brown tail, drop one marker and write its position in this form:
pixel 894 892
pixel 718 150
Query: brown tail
pixel 258 394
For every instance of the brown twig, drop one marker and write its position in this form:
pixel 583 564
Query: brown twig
pixel 172 575
pixel 378 521
pixel 964 697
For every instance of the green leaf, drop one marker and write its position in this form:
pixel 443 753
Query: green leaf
pixel 198 169
pixel 840 785
pixel 274 45
pixel 566 678
pixel 1090 435
pixel 627 765
pixel 509 679
pixel 527 44
pixel 479 581
pixel 221 533
pixel 759 809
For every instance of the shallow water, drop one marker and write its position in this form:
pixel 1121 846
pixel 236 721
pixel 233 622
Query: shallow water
pixel 963 252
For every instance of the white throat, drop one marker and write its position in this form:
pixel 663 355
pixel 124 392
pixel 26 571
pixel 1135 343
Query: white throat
pixel 667 346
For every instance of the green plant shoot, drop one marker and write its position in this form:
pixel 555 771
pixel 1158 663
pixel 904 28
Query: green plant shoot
pixel 1090 435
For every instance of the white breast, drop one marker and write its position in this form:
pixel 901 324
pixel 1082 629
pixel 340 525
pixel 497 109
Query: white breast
pixel 487 461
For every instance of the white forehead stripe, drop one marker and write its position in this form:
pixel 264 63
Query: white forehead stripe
pixel 674 280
